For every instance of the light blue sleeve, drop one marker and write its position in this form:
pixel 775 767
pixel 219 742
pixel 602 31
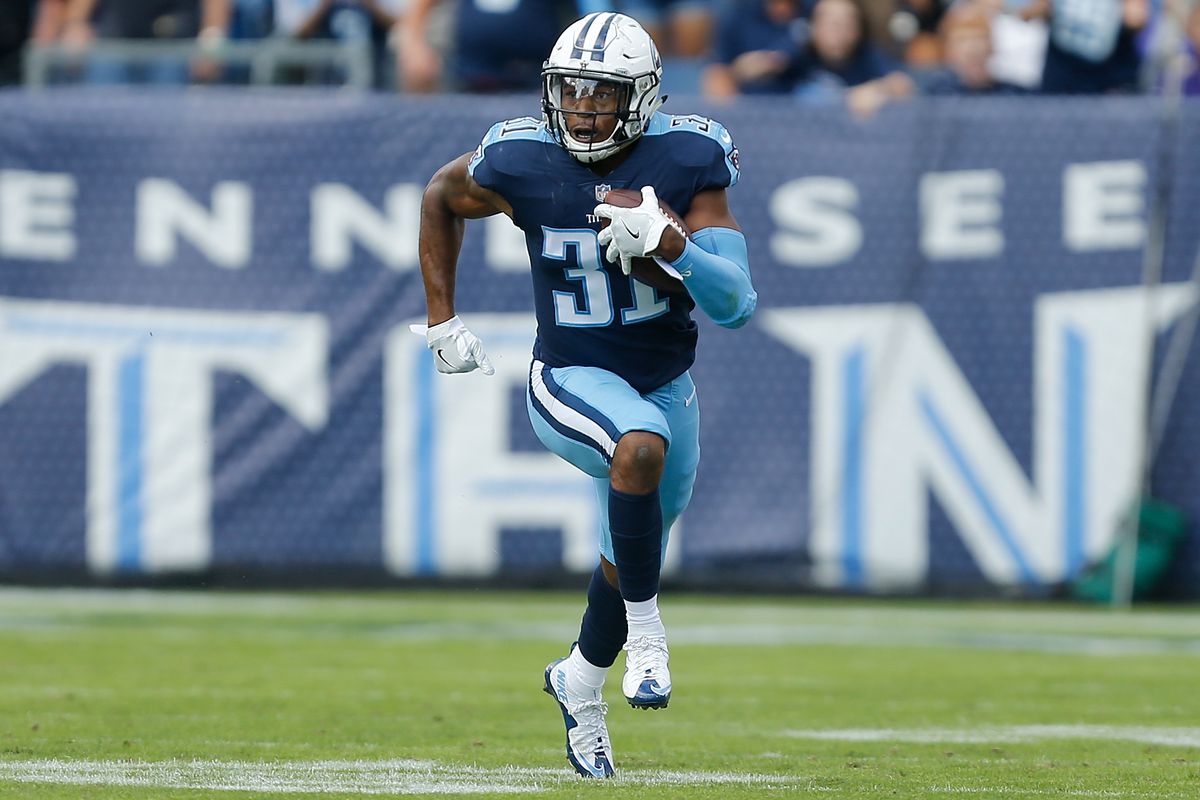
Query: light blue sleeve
pixel 715 267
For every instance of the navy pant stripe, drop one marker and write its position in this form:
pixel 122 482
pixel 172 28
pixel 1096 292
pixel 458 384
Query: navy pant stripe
pixel 577 403
pixel 599 438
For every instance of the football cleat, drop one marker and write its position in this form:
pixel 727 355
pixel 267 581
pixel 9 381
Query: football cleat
pixel 647 681
pixel 588 747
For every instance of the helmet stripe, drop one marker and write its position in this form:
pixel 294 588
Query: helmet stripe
pixel 579 40
pixel 596 51
pixel 602 38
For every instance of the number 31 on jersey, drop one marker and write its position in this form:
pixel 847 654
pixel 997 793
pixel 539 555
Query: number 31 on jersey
pixel 597 310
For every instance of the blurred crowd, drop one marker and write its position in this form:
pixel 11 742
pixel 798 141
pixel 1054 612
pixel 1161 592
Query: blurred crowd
pixel 860 52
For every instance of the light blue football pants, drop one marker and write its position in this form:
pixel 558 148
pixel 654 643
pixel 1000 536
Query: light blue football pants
pixel 579 414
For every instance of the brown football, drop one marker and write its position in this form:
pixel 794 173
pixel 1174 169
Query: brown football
pixel 647 270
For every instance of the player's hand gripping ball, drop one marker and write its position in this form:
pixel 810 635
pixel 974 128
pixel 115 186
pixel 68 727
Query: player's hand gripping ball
pixel 634 225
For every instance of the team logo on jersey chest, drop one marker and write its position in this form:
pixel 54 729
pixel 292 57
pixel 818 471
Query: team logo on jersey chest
pixel 602 190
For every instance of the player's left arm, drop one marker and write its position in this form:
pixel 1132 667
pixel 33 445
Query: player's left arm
pixel 713 262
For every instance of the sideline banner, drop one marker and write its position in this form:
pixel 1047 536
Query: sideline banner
pixel 205 363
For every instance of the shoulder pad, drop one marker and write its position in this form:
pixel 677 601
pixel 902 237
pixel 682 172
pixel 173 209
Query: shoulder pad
pixel 710 130
pixel 510 130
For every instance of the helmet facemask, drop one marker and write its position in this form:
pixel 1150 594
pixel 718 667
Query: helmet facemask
pixel 601 58
pixel 578 104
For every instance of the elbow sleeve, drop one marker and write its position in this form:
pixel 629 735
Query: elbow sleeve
pixel 715 268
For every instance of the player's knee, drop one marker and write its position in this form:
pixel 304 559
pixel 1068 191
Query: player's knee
pixel 637 463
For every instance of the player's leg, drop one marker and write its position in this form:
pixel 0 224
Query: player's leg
pixel 581 414
pixel 597 422
pixel 636 532
pixel 679 404
pixel 635 523
pixel 647 681
pixel 677 401
pixel 603 630
pixel 632 536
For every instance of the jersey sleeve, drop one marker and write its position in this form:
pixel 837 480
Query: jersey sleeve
pixel 707 151
pixel 482 166
pixel 725 169
pixel 496 163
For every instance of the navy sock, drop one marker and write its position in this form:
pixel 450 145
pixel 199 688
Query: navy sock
pixel 636 524
pixel 603 632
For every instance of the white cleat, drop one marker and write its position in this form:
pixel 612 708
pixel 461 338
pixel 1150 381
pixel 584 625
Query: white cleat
pixel 588 747
pixel 647 681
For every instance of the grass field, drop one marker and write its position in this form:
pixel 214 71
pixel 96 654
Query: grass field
pixel 188 695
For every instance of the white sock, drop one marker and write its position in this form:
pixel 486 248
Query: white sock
pixel 584 676
pixel 643 618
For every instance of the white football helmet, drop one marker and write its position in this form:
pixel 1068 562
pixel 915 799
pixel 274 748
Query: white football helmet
pixel 609 47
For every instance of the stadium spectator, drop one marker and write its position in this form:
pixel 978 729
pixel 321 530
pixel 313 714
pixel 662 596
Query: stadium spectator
pixel 25 21
pixel 15 26
pixel 840 61
pixel 498 45
pixel 337 20
pixel 965 41
pixel 1018 44
pixel 754 47
pixel 367 23
pixel 914 28
pixel 251 20
pixel 1191 72
pixel 1092 47
pixel 207 21
pixel 1169 47
pixel 680 28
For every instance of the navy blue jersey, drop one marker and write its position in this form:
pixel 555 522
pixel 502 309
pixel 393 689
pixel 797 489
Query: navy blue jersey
pixel 588 312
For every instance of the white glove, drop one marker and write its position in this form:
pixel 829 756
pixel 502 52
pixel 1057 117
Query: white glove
pixel 632 232
pixel 455 349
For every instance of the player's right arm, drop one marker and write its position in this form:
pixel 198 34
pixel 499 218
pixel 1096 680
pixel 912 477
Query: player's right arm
pixel 451 197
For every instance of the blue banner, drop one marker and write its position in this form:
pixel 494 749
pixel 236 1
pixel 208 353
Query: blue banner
pixel 205 364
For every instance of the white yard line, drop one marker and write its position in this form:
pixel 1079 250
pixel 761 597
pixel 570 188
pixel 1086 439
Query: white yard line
pixel 995 791
pixel 395 777
pixel 1009 734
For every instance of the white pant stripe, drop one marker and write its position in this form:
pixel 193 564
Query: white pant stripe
pixel 567 416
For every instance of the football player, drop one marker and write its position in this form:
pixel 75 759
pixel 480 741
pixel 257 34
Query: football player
pixel 609 389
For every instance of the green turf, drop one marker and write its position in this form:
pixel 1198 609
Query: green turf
pixel 280 681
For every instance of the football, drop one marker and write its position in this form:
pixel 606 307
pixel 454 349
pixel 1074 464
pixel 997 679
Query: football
pixel 647 270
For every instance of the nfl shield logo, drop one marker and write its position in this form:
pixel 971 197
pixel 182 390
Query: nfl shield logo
pixel 602 190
